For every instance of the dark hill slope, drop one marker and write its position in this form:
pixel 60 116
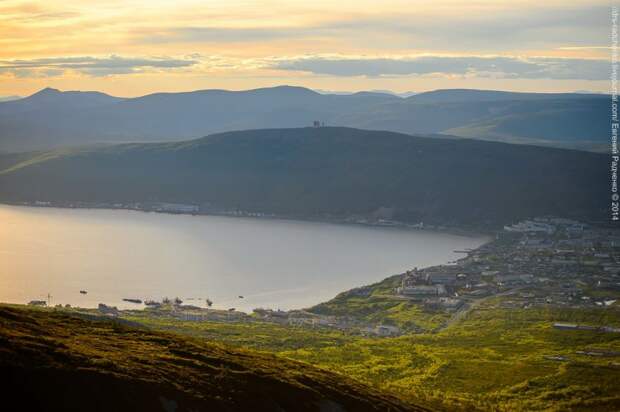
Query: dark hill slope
pixel 56 362
pixel 327 172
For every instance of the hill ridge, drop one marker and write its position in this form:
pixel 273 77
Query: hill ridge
pixel 340 172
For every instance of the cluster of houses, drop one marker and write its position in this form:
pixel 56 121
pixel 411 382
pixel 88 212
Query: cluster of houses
pixel 314 320
pixel 542 261
pixel 162 207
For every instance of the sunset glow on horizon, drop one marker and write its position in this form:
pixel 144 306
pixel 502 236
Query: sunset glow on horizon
pixel 130 48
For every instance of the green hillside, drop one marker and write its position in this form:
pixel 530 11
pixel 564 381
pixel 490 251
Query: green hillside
pixel 578 125
pixel 492 359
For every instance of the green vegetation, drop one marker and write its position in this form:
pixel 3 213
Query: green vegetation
pixel 25 160
pixel 381 306
pixel 54 361
pixel 494 359
pixel 256 335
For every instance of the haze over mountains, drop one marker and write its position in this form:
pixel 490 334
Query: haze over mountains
pixel 51 118
pixel 323 173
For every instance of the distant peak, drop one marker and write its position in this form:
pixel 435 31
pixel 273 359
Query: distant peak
pixel 47 91
pixel 285 88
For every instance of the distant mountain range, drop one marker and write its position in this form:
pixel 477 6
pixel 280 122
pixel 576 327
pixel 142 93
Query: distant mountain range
pixel 324 172
pixel 51 118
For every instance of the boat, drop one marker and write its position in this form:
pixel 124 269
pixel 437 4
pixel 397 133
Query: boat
pixel 152 303
pixel 132 300
pixel 83 292
pixel 240 296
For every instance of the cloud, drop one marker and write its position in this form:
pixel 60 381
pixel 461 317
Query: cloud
pixel 32 12
pixel 218 34
pixel 504 27
pixel 472 66
pixel 94 66
pixel 518 28
pixel 502 67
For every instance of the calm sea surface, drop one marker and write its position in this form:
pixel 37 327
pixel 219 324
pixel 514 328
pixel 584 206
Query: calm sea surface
pixel 271 263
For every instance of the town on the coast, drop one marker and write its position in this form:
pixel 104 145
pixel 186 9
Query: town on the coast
pixel 544 261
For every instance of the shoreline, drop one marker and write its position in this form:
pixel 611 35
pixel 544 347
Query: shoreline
pixel 485 238
pixel 451 230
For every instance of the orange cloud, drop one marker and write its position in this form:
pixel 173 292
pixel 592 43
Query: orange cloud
pixel 237 37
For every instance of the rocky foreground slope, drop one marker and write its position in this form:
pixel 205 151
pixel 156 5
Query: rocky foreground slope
pixel 52 362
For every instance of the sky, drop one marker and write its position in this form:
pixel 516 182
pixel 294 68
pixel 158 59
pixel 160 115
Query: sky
pixel 136 47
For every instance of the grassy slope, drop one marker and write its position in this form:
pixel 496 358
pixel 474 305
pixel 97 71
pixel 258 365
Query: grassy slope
pixel 484 131
pixel 494 359
pixel 580 126
pixel 382 306
pixel 53 361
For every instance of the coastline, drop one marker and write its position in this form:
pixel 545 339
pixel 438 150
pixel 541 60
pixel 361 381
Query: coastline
pixel 347 221
pixel 382 275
